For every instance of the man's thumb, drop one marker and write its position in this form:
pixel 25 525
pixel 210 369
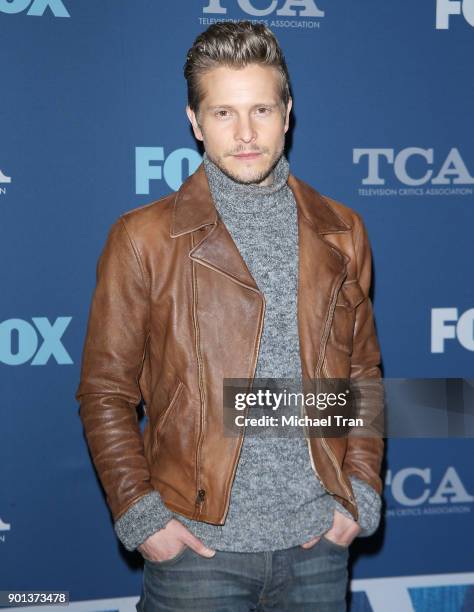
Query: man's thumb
pixel 311 542
pixel 199 547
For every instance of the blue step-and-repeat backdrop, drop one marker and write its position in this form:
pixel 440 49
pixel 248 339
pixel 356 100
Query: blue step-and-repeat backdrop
pixel 92 124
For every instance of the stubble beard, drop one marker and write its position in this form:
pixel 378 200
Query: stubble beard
pixel 258 177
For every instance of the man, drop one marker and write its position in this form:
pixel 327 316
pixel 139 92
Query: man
pixel 245 272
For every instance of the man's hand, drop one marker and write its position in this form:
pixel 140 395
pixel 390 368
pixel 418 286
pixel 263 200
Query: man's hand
pixel 170 541
pixel 342 532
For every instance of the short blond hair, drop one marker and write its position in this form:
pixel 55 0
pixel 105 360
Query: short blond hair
pixel 233 44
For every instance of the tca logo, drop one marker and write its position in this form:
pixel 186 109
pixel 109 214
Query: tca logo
pixel 4 178
pixel 4 526
pixel 446 8
pixel 20 341
pixel 414 486
pixel 447 325
pixel 36 7
pixel 174 168
pixel 307 8
pixel 453 169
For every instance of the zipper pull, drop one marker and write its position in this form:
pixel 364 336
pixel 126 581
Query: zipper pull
pixel 200 496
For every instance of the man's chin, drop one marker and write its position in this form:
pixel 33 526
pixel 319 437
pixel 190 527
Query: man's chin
pixel 248 179
pixel 248 176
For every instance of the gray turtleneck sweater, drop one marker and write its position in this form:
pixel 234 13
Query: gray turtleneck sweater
pixel 276 500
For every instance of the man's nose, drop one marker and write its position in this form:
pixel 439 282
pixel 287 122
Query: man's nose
pixel 245 130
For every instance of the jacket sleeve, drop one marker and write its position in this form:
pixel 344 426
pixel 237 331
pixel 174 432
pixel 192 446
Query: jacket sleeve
pixel 364 452
pixel 108 392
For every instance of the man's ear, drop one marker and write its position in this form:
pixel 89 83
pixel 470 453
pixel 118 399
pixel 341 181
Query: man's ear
pixel 287 113
pixel 192 118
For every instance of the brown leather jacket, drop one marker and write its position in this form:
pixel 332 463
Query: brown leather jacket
pixel 175 311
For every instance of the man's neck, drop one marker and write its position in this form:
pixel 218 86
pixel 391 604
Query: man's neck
pixel 244 198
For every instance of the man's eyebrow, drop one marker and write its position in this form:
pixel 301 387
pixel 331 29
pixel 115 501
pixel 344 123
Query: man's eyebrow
pixel 216 106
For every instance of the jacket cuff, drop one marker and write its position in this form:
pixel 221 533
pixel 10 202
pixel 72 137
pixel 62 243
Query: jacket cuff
pixel 369 504
pixel 141 520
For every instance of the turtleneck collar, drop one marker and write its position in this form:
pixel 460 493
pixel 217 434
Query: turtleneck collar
pixel 247 198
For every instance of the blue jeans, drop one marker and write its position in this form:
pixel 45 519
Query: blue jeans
pixel 296 578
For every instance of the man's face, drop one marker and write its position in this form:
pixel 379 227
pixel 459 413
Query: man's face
pixel 241 121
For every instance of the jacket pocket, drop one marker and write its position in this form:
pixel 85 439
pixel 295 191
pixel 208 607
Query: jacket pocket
pixel 164 417
pixel 350 295
pixel 342 329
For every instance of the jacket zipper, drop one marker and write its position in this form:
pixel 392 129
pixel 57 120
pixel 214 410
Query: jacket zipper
pixel 201 493
pixel 254 367
pixel 325 445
